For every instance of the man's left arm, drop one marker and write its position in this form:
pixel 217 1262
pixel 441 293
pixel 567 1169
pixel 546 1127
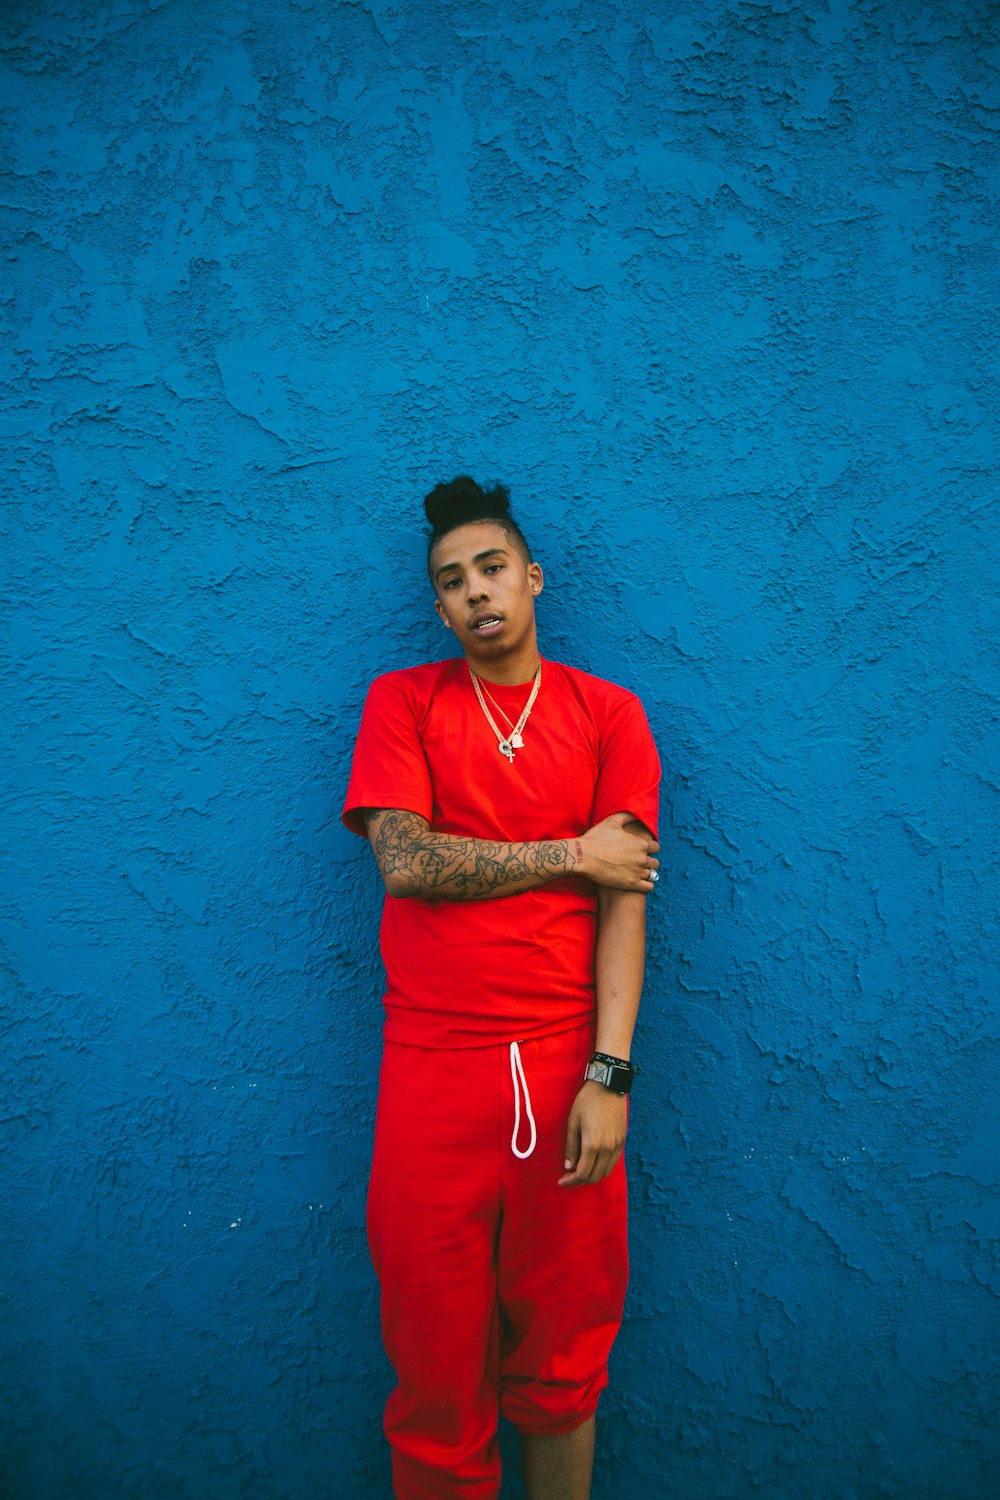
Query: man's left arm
pixel 598 1121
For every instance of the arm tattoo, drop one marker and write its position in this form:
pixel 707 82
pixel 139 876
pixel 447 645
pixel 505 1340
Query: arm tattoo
pixel 448 867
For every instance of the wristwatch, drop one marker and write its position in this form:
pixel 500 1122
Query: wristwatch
pixel 615 1073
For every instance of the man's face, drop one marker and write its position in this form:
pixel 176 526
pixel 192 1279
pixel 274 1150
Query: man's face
pixel 486 591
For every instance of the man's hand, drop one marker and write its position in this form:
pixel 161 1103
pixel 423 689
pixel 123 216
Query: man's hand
pixel 595 1134
pixel 618 853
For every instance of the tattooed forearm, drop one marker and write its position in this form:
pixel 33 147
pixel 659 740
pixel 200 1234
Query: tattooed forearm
pixel 413 861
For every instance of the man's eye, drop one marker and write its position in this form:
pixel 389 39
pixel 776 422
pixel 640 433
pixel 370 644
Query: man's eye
pixel 494 567
pixel 450 583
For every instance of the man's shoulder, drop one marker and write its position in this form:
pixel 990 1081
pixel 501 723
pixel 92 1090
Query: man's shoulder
pixel 418 680
pixel 591 689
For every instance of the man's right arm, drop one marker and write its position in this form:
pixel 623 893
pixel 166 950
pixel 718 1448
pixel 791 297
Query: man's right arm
pixel 414 861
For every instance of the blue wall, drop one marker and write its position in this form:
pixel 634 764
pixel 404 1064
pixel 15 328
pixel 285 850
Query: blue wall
pixel 712 285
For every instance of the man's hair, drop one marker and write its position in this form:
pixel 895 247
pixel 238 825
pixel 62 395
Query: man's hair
pixel 463 501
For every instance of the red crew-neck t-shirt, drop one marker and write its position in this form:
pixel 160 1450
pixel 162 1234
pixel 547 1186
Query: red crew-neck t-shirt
pixel 507 968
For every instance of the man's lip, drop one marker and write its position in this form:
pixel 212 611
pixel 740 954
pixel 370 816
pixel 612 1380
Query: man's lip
pixel 489 616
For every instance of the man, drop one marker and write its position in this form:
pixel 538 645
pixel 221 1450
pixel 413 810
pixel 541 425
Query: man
pixel 511 806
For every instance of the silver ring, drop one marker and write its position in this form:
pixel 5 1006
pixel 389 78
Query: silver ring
pixel 654 876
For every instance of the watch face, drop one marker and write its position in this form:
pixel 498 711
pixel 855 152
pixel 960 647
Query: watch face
pixel 618 1080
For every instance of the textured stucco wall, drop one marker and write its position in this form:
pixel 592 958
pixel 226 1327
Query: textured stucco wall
pixel 712 285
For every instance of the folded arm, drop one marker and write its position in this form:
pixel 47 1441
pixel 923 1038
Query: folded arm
pixel 414 861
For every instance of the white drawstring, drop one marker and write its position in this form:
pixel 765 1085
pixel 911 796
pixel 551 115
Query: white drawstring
pixel 518 1080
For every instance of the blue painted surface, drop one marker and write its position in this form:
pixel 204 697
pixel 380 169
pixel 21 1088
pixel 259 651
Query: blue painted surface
pixel 712 286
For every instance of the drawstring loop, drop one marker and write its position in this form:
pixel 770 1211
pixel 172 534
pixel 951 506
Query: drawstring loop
pixel 519 1082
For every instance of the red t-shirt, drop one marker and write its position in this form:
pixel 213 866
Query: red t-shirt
pixel 507 968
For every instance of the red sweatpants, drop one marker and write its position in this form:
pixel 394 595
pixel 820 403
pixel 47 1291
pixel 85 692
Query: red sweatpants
pixel 499 1289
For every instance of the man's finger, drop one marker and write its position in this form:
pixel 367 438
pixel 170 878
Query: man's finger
pixel 613 1158
pixel 605 1162
pixel 599 1169
pixel 582 1171
pixel 572 1151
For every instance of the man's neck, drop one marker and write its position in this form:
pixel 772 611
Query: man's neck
pixel 508 671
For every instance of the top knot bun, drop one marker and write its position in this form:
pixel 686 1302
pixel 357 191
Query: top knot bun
pixel 462 501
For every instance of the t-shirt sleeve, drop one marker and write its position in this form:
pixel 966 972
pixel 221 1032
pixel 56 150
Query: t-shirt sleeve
pixel 389 768
pixel 628 776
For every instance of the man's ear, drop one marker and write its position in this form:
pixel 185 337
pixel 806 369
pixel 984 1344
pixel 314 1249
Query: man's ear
pixel 444 618
pixel 536 578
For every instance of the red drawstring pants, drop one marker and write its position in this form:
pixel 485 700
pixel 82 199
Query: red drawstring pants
pixel 499 1289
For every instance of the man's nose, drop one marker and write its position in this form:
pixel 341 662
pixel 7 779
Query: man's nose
pixel 477 590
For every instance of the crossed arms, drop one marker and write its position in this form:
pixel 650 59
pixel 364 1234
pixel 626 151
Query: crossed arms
pixel 618 855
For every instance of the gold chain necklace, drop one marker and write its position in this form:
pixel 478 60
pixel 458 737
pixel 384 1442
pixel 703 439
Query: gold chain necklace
pixel 503 713
pixel 515 742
